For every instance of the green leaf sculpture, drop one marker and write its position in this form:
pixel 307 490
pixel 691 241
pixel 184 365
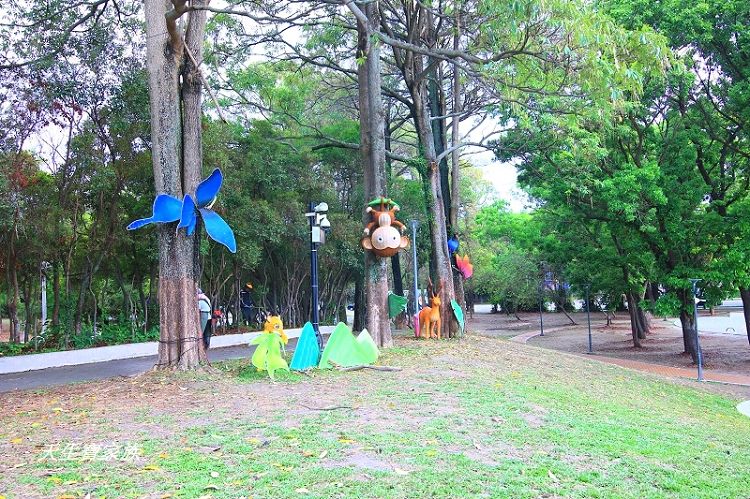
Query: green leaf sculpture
pixel 267 354
pixel 344 349
pixel 307 352
pixel 396 304
pixel 459 313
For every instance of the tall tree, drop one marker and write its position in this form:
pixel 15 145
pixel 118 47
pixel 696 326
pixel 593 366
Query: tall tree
pixel 372 148
pixel 176 155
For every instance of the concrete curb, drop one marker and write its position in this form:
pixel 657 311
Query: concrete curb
pixel 37 361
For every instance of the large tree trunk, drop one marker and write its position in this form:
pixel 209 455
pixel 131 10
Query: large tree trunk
pixel 634 324
pixel 81 302
pixel 179 323
pixel 56 293
pixel 13 293
pixel 372 147
pixel 150 305
pixel 438 232
pixel 687 320
pixel 688 333
pixel 458 279
pixel 29 309
pixel 643 323
pixel 745 295
pixel 359 304
pixel 192 158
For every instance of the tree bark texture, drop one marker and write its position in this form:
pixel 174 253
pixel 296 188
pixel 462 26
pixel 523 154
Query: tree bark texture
pixel 56 293
pixel 179 322
pixel 687 321
pixel 745 295
pixel 372 148
pixel 438 232
pixel 634 322
pixel 13 293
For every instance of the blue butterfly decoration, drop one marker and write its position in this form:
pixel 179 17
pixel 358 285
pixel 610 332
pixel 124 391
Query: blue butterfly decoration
pixel 169 209
pixel 453 244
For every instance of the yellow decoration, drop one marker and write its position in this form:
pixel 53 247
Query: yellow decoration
pixel 274 325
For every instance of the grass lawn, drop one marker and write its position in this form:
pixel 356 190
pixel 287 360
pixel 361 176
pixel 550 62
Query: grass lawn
pixel 475 417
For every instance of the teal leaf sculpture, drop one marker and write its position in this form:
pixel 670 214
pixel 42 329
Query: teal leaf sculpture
pixel 307 353
pixel 344 349
pixel 267 355
pixel 459 313
pixel 396 304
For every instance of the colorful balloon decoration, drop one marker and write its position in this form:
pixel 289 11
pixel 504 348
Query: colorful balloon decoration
pixel 464 266
pixel 384 234
pixel 453 244
pixel 169 209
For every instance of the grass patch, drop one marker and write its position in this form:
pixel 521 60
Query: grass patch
pixel 475 417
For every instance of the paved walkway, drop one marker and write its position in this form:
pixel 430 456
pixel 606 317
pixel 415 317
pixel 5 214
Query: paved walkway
pixel 55 376
pixel 672 372
pixel 525 337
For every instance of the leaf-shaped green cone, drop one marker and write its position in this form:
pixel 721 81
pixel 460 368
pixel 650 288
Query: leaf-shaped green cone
pixel 345 350
pixel 396 304
pixel 367 347
pixel 307 352
pixel 459 313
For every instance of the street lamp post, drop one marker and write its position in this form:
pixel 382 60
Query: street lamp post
pixel 542 282
pixel 415 283
pixel 319 223
pixel 699 354
pixel 588 316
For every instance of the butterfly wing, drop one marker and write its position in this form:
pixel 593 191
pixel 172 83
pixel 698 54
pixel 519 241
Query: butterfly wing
pixel 218 230
pixel 188 218
pixel 166 209
pixel 208 189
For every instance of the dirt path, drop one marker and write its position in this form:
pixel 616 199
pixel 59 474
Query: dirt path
pixel 722 353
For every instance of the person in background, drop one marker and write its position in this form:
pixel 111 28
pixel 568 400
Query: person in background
pixel 204 306
pixel 247 304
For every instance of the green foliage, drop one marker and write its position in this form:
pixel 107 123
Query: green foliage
pixel 8 349
pixel 505 258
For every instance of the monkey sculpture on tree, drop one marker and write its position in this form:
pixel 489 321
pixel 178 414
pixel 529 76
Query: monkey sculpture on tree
pixel 384 234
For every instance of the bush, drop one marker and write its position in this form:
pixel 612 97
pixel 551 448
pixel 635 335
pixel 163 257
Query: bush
pixel 107 334
pixel 8 349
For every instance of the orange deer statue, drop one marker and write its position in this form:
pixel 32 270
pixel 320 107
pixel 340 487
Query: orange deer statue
pixel 429 317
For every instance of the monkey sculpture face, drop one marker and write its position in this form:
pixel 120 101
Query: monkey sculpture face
pixel 381 237
pixel 386 241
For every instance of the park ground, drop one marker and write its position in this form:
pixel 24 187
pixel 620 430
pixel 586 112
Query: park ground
pixel 480 417
pixel 722 352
